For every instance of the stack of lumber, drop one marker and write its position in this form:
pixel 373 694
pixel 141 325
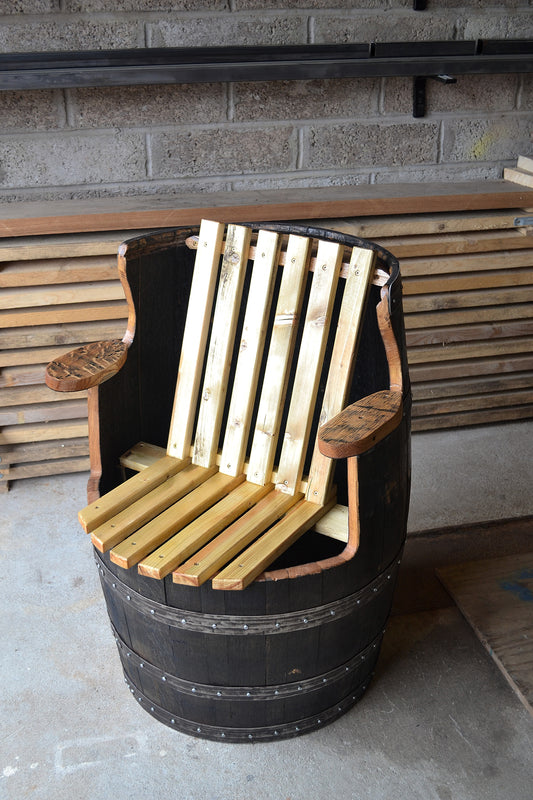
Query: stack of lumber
pixel 56 293
pixel 468 286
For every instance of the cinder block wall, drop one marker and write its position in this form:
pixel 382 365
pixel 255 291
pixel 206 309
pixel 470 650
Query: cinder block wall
pixel 192 138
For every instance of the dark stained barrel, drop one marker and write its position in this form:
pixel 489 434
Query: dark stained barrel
pixel 298 647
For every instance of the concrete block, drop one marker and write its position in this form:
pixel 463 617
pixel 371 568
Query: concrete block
pixel 84 33
pixel 39 110
pixel 471 93
pixel 248 5
pixel 144 5
pixel 441 173
pixel 223 151
pixel 148 105
pixel 305 99
pixel 526 95
pixel 359 144
pixel 174 188
pixel 498 24
pixel 229 29
pixel 389 26
pixel 497 139
pixel 28 6
pixel 63 159
pixel 298 180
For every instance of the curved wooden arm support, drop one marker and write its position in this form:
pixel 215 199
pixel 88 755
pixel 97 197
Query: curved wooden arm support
pixel 86 366
pixel 361 426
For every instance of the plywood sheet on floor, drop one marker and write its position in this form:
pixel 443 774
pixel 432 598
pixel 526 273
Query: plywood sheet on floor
pixel 496 597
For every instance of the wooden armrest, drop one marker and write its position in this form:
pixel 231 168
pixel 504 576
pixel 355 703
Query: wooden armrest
pixel 86 366
pixel 360 426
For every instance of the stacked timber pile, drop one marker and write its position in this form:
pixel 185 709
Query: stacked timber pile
pixel 56 292
pixel 468 286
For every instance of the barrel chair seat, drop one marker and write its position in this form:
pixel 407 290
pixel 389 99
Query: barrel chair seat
pixel 261 415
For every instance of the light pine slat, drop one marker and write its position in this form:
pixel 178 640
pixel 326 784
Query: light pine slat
pixel 118 527
pixel 213 394
pixel 282 342
pixel 452 352
pixel 42 272
pixel 37 296
pixel 195 338
pixel 76 312
pixel 163 560
pixel 465 316
pixel 207 561
pixel 249 564
pixel 135 547
pixel 141 455
pixel 122 496
pixel 443 265
pixel 342 361
pixel 67 336
pixel 68 245
pixel 310 360
pixel 43 432
pixel 250 353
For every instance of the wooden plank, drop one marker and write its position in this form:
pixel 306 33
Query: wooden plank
pixel 44 451
pixel 495 596
pixel 449 244
pixel 43 412
pixel 49 467
pixel 37 296
pixel 26 246
pixel 75 312
pixel 276 376
pixel 135 547
pixel 470 367
pixel 141 455
pixel 43 272
pixel 439 265
pixel 218 363
pixel 458 388
pixel 309 366
pixel 29 375
pixel 211 558
pixel 126 493
pixel 250 353
pixel 451 405
pixel 147 507
pixel 195 535
pixel 429 319
pixel 483 297
pixel 26 395
pixel 35 355
pixel 251 563
pixel 465 282
pixel 51 217
pixel 469 333
pixel 43 432
pixel 66 335
pixel 461 350
pixel 518 176
pixel 459 420
pixel 195 338
pixel 343 357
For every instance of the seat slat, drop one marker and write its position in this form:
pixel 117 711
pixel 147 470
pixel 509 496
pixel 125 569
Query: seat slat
pixel 248 565
pixel 122 496
pixel 343 357
pixel 207 561
pixel 211 405
pixel 250 352
pixel 195 338
pixel 146 508
pixel 201 530
pixel 310 360
pixel 135 547
pixel 278 361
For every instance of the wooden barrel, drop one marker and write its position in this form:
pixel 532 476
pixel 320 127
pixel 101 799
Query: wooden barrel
pixel 298 647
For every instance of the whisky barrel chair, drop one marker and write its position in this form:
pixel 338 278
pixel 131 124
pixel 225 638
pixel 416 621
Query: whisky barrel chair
pixel 248 562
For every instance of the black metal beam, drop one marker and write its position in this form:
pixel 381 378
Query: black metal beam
pixel 225 64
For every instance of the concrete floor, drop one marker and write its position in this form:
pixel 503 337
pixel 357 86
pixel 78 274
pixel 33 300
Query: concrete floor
pixel 439 722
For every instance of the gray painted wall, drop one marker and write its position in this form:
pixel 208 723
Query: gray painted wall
pixel 206 137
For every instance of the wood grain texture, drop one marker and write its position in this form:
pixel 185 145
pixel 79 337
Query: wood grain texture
pixel 361 425
pixel 86 366
pixel 496 597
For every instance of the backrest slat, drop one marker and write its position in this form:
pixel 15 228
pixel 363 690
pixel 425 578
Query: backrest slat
pixel 343 357
pixel 276 375
pixel 310 360
pixel 211 403
pixel 195 338
pixel 252 342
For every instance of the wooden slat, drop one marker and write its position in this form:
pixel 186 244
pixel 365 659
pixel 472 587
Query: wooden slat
pixel 449 244
pixel 450 405
pixel 135 547
pixel 195 338
pixel 43 272
pixel 213 394
pixel 147 507
pixel 469 333
pixel 37 296
pixel 42 432
pixel 277 367
pixel 141 455
pixel 343 357
pixel 438 284
pixel 460 350
pixel 207 561
pixel 23 453
pixel 471 386
pixel 26 395
pixel 459 420
pixel 442 265
pixel 249 564
pixel 122 496
pixel 250 353
pixel 482 297
pixel 27 355
pixel 310 360
pixel 65 335
pixel 429 319
pixel 43 412
pixel 75 312
pixel 49 467
pixel 470 367
pixel 29 247
pixel 163 560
